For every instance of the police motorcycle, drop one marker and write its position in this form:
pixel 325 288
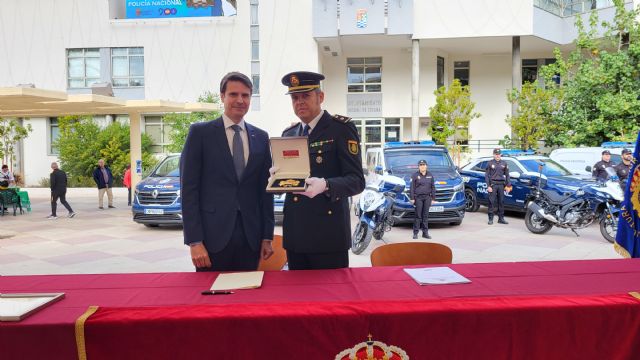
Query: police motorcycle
pixel 588 203
pixel 374 210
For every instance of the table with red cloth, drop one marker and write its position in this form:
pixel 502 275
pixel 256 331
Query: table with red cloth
pixel 529 310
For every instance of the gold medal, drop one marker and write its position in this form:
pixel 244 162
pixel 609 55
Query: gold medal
pixel 319 159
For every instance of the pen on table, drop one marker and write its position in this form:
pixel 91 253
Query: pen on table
pixel 216 292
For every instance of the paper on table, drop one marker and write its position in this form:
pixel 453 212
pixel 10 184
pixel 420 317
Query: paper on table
pixel 239 280
pixel 436 275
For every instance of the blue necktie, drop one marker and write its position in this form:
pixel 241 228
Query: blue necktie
pixel 238 151
pixel 305 130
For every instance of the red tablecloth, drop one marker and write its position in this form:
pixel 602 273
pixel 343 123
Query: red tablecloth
pixel 510 310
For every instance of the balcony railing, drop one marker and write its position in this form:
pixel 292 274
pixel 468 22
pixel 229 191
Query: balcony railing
pixel 566 8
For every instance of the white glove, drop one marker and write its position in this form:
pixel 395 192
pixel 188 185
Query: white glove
pixel 315 186
pixel 272 171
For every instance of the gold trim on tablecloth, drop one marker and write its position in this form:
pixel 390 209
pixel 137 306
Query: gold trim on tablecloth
pixel 80 342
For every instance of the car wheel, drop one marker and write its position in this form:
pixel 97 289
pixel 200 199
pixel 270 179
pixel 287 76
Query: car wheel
pixel 471 200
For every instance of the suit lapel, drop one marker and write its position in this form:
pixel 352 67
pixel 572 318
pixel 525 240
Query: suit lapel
pixel 223 147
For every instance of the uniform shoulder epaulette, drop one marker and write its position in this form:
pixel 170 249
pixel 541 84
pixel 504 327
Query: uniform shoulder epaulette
pixel 342 119
pixel 291 127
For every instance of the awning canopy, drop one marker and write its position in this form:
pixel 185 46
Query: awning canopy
pixel 32 102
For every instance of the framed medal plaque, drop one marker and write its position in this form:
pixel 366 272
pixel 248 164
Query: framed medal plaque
pixel 291 157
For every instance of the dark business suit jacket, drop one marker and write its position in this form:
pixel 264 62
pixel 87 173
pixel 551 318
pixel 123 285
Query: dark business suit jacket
pixel 322 224
pixel 212 194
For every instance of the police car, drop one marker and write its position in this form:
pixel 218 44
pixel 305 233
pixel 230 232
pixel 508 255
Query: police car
pixel 523 167
pixel 401 159
pixel 156 199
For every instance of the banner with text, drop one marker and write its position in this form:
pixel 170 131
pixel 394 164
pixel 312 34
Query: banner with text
pixel 147 9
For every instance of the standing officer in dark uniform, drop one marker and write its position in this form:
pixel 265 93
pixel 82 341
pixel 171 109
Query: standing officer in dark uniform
pixel 600 168
pixel 497 178
pixel 316 225
pixel 422 192
pixel 623 169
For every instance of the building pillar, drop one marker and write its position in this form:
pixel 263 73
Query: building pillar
pixel 135 148
pixel 415 89
pixel 516 70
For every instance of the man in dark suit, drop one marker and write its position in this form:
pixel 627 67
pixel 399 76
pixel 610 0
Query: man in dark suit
pixel 316 225
pixel 227 214
pixel 58 185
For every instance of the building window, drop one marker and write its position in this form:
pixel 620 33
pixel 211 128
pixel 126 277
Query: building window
pixel 377 132
pixel 461 71
pixel 255 50
pixel 158 131
pixel 255 53
pixel 83 67
pixel 440 72
pixel 54 134
pixel 364 75
pixel 127 67
pixel 529 71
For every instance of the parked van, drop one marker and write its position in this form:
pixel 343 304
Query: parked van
pixel 401 159
pixel 577 160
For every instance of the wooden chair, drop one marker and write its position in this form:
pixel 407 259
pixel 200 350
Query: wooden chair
pixel 411 253
pixel 278 259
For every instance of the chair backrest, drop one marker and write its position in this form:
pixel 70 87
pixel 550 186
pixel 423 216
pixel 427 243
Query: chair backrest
pixel 411 253
pixel 278 259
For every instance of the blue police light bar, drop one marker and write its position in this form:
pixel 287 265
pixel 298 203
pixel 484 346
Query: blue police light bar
pixel 403 143
pixel 616 144
pixel 516 152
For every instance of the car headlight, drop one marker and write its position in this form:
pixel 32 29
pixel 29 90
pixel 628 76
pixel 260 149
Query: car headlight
pixel 458 187
pixel 178 192
pixel 579 192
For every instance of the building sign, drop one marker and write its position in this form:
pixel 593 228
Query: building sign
pixel 361 18
pixel 146 9
pixel 364 105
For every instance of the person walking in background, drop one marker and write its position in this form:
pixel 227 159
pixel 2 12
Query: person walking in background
pixel 58 185
pixel 127 183
pixel 104 179
pixel 422 191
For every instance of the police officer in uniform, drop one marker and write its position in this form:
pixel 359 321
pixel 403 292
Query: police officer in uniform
pixel 497 178
pixel 422 192
pixel 316 225
pixel 623 169
pixel 600 168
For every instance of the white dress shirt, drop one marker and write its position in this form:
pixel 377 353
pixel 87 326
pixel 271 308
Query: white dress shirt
pixel 243 135
pixel 313 123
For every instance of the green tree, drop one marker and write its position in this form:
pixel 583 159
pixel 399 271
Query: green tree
pixel 598 97
pixel 451 116
pixel 536 107
pixel 180 122
pixel 82 142
pixel 11 132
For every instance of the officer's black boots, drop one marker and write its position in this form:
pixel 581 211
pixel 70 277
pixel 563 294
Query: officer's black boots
pixel 490 220
pixel 426 235
pixel 415 235
pixel 502 221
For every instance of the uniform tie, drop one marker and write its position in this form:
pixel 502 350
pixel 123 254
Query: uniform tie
pixel 238 151
pixel 305 130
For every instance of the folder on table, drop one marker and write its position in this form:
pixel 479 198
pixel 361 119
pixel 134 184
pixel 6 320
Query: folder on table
pixel 239 280
pixel 436 275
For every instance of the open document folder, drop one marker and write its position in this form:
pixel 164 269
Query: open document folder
pixel 239 280
pixel 436 275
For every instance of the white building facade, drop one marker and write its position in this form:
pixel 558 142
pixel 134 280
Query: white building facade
pixel 383 59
